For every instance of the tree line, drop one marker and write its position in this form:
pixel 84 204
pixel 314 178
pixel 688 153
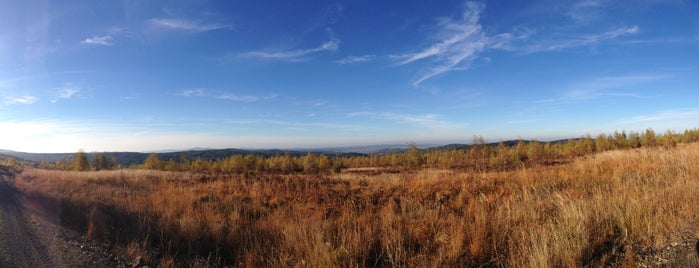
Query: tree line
pixel 480 156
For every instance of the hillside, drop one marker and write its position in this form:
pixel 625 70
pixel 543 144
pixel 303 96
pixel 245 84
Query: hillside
pixel 129 158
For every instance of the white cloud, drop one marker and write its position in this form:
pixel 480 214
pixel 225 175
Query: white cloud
pixel 585 11
pixel 622 86
pixel 294 55
pixel 234 97
pixel 296 125
pixel 20 100
pixel 67 93
pixel 245 98
pixel 197 92
pixel 186 25
pixel 664 116
pixel 429 121
pixel 585 40
pixel 105 40
pixel 461 41
pixel 599 87
pixel 356 59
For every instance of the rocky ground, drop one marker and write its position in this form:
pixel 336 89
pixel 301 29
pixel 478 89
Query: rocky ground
pixel 681 253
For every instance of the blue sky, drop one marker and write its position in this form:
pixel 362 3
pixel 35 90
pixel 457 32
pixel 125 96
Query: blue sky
pixel 154 75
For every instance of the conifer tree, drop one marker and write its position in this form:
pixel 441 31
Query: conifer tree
pixel 80 162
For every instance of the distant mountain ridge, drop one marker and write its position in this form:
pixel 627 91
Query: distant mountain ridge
pixel 129 158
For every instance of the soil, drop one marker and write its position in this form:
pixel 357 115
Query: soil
pixel 684 252
pixel 30 236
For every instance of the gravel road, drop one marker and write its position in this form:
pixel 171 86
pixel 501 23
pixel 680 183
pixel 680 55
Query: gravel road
pixel 32 237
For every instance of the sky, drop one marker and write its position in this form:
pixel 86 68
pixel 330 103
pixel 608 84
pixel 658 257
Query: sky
pixel 139 75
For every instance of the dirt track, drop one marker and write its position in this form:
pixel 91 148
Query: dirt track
pixel 33 237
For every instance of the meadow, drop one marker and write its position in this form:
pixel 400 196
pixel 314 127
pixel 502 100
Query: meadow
pixel 589 202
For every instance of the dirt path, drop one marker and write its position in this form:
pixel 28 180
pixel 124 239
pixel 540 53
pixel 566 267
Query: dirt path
pixel 30 237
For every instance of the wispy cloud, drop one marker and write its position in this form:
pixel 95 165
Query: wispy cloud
pixel 105 40
pixel 297 125
pixel 622 86
pixel 585 11
pixel 460 41
pixel 199 92
pixel 600 87
pixel 430 121
pixel 233 97
pixel 356 59
pixel 664 116
pixel 20 100
pixel 67 93
pixel 584 40
pixel 179 24
pixel 295 55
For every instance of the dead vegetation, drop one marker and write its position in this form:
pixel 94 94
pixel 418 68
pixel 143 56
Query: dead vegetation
pixel 596 210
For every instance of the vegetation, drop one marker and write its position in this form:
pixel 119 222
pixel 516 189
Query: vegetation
pixel 477 157
pixel 585 202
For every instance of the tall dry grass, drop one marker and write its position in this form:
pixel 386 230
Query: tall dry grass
pixel 583 213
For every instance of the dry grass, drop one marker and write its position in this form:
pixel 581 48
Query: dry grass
pixel 616 203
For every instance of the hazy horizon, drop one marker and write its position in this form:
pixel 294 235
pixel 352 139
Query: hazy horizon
pixel 150 76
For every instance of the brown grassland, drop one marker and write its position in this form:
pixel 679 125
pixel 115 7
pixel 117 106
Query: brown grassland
pixel 599 209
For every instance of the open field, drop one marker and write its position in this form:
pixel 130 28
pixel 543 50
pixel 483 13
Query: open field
pixel 611 208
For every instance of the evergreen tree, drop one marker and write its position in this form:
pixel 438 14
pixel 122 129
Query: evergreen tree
pixel 80 162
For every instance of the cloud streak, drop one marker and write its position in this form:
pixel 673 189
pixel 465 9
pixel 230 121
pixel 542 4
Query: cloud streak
pixel 599 87
pixel 105 40
pixel 585 40
pixel 198 92
pixel 356 59
pixel 233 97
pixel 178 24
pixel 461 41
pixel 20 100
pixel 664 116
pixel 430 121
pixel 68 92
pixel 295 55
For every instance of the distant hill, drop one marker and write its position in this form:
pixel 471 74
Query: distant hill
pixel 36 157
pixel 508 143
pixel 130 158
pixel 368 150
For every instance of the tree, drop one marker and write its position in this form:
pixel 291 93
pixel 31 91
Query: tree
pixel 102 162
pixel 620 140
pixel 80 162
pixel 153 162
pixel 649 138
pixel 413 157
pixel 198 165
pixel 310 163
pixel 287 163
pixel 323 163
